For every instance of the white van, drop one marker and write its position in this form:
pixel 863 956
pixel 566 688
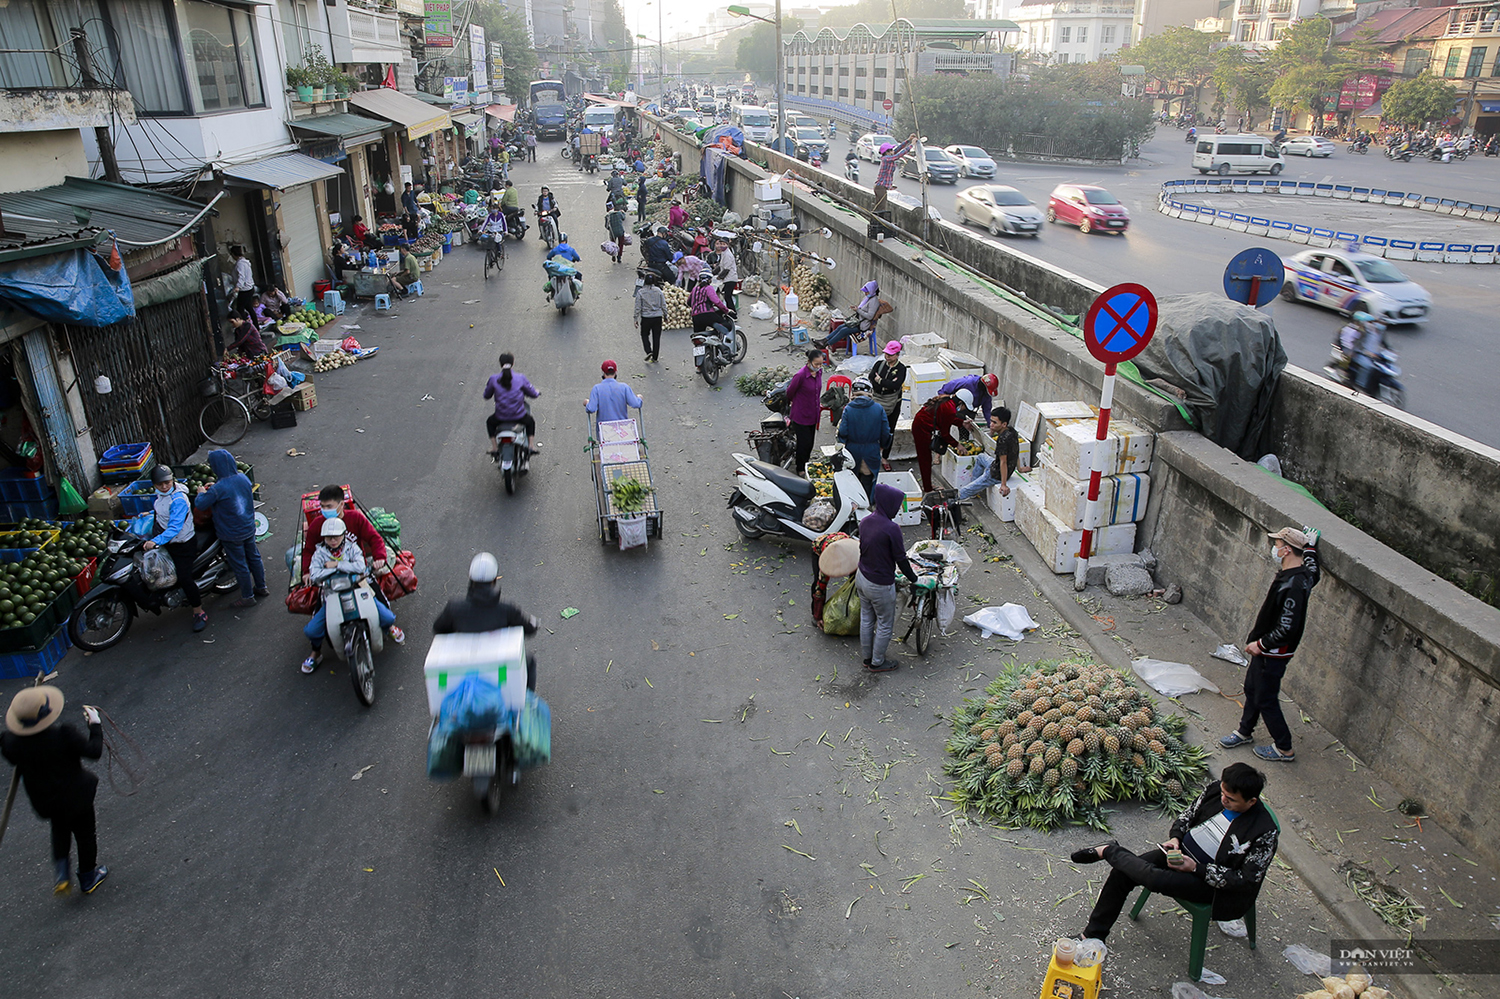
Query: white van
pixel 754 121
pixel 601 118
pixel 1226 154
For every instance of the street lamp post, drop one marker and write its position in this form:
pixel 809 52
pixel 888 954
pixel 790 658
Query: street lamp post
pixel 780 70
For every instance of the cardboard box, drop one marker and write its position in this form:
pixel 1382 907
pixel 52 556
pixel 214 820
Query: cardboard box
pixel 911 489
pixel 924 379
pixel 498 656
pixel 1070 447
pixel 105 501
pixel 1122 498
pixel 1055 542
pixel 304 397
pixel 1004 507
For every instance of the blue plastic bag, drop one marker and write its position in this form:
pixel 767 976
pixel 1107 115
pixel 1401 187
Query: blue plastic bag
pixel 473 704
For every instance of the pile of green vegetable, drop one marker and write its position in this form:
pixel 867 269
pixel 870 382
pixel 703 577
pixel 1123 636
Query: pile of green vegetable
pixel 203 475
pixel 82 540
pixel 309 316
pixel 630 495
pixel 763 380
pixel 29 586
pixel 1053 745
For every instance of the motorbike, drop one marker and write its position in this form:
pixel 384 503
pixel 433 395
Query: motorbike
pixel 1384 381
pixel 1492 148
pixel 512 453
pixel 1440 154
pixel 815 157
pixel 768 499
pixel 562 284
pixel 103 617
pixel 718 347
pixel 1394 153
pixel 547 229
pixel 1191 136
pixel 354 632
pixel 591 162
pixel 1361 146
pixel 515 223
pixel 851 169
pixel 774 441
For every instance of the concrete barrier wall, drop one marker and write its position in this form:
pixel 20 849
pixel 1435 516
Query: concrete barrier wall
pixel 1398 664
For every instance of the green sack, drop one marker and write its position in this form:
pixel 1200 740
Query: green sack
pixel 68 500
pixel 841 612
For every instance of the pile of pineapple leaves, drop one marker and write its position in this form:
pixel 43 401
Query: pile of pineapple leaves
pixel 1050 743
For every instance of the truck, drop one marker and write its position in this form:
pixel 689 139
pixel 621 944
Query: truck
pixel 548 109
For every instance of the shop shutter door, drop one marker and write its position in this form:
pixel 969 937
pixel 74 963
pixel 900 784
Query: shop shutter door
pixel 300 236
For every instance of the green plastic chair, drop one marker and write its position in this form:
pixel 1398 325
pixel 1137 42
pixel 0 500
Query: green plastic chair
pixel 1203 914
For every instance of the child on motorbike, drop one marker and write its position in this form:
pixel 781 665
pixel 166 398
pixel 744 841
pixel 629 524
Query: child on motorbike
pixel 336 555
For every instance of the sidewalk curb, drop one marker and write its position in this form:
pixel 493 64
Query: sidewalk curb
pixel 1300 855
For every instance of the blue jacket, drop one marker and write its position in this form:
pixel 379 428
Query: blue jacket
pixel 974 385
pixel 564 250
pixel 229 499
pixel 864 430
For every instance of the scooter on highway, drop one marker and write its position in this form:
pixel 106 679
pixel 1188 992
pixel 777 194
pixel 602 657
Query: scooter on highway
pixel 1383 382
pixel 768 499
pixel 851 167
pixel 1397 153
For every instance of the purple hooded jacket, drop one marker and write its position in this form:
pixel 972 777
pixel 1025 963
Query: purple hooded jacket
pixel 881 547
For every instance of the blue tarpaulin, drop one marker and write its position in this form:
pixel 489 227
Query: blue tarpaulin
pixel 725 140
pixel 69 287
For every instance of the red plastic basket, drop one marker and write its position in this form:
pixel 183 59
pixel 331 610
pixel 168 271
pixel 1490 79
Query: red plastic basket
pixel 86 577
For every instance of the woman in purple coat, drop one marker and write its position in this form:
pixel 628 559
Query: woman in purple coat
pixel 805 394
pixel 511 390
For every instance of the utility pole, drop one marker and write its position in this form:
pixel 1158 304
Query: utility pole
pixel 780 85
pixel 102 137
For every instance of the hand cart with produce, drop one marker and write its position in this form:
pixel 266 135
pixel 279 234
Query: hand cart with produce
pixel 623 493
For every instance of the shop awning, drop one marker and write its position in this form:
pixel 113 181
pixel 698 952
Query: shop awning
pixel 505 112
pixel 282 172
pixel 417 117
pixel 351 129
pixel 606 99
pixel 73 210
pixel 467 120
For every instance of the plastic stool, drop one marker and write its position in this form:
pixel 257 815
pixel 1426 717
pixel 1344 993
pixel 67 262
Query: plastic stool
pixel 414 288
pixel 333 302
pixel 382 302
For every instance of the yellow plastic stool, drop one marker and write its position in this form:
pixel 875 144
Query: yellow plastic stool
pixel 1069 981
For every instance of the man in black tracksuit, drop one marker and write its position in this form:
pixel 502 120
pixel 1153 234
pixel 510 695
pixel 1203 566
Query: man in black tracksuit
pixel 1278 629
pixel 482 610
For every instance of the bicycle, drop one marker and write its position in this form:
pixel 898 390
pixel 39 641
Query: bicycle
pixel 226 416
pixel 934 576
pixel 494 254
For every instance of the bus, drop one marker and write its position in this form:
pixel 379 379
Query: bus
pixel 547 92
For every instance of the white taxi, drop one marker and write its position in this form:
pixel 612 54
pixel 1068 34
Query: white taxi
pixel 1349 281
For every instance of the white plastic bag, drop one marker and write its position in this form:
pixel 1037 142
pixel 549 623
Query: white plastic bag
pixel 819 514
pixel 856 365
pixel 1010 620
pixel 947 608
pixel 1308 961
pixel 1171 679
pixel 157 569
pixel 633 532
pixel 1231 654
pixel 1235 928
pixel 760 310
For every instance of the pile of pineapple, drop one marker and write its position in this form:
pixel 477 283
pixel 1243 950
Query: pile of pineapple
pixel 1052 745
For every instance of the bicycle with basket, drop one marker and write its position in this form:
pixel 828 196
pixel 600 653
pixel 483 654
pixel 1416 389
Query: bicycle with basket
pixel 933 598
pixel 236 395
pixel 624 497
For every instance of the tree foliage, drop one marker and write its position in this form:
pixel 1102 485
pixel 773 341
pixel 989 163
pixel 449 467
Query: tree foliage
pixel 1177 55
pixel 618 46
pixel 1243 81
pixel 508 27
pixel 756 52
pixel 879 12
pixel 1419 100
pixel 1075 110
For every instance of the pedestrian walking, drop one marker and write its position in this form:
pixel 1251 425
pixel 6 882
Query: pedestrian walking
pixel 231 500
pixel 864 431
pixel 640 199
pixel 650 310
pixel 996 471
pixel 48 755
pixel 531 147
pixel 804 393
pixel 1273 640
pixel 887 378
pixel 504 163
pixel 882 550
pixel 614 222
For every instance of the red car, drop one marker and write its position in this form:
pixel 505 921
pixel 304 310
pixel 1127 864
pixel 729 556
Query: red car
pixel 1088 208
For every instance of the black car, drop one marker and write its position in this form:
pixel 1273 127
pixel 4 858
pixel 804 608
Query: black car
pixel 940 167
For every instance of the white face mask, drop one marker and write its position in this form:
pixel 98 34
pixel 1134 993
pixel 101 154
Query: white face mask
pixel 1275 551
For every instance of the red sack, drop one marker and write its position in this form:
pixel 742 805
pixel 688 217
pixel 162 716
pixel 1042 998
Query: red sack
pixel 401 579
pixel 304 600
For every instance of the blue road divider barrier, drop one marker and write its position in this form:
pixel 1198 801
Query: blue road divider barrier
pixel 1172 202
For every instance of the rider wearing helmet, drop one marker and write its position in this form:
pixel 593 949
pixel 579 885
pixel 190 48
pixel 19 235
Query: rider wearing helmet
pixel 562 249
pixel 174 532
pixel 482 610
pixel 338 554
pixel 982 390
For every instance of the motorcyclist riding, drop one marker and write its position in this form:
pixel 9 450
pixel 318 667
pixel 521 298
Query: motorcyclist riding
pixel 510 389
pixel 658 255
pixel 333 556
pixel 482 610
pixel 546 204
pixel 562 249
pixel 708 309
pixel 510 203
pixel 174 532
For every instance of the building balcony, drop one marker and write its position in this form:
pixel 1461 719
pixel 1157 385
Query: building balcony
pixel 363 34
pixel 1279 8
pixel 1472 29
pixel 1248 11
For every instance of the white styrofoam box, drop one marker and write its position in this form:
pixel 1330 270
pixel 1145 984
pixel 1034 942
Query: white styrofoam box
pixel 1004 507
pixel 1137 446
pixel 924 379
pixel 1122 498
pixel 958 469
pixel 1056 543
pixel 1027 421
pixel 911 506
pixel 1052 411
pixel 920 346
pixel 1070 446
pixel 768 189
pixel 903 447
pixel 960 362
pixel 498 656
pixel 907 409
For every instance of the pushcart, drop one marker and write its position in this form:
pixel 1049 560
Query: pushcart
pixel 617 452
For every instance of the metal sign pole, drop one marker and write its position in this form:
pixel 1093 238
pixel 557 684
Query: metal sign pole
pixel 1096 474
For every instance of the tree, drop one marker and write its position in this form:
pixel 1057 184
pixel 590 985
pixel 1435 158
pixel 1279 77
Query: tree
pixel 508 27
pixel 618 47
pixel 1310 70
pixel 1242 80
pixel 1178 55
pixel 1416 101
pixel 756 52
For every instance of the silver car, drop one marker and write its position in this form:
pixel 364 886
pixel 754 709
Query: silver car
pixel 999 209
pixel 972 161
pixel 868 147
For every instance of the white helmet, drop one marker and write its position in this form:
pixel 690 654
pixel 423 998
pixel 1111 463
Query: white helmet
pixel 333 527
pixel 965 397
pixel 483 568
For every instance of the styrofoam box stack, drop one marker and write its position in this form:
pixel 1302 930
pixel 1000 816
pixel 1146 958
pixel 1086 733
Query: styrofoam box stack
pixel 960 362
pixel 923 380
pixel 1004 507
pixel 1122 498
pixel 498 656
pixel 917 347
pixel 911 506
pixel 1070 447
pixel 1055 541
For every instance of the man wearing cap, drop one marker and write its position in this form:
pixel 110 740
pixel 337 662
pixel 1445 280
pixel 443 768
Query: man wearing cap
pixel 889 156
pixel 49 758
pixel 864 431
pixel 1273 639
pixel 935 420
pixel 887 378
pixel 610 398
pixel 982 387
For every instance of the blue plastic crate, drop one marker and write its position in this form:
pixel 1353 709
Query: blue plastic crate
pixel 138 497
pixel 124 462
pixel 14 513
pixel 20 485
pixel 31 662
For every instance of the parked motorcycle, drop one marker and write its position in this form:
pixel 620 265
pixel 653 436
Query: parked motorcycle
pixel 353 622
pixel 591 163
pixel 718 347
pixel 102 618
pixel 771 500
pixel 774 441
pixel 563 285
pixel 512 453
pixel 1384 382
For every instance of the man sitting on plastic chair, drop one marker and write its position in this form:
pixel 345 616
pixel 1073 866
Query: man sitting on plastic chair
pixel 1218 854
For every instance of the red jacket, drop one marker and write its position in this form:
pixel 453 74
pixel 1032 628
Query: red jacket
pixel 939 419
pixel 370 541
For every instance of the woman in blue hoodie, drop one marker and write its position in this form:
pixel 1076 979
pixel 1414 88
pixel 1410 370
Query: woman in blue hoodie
pixel 864 430
pixel 232 504
pixel 882 550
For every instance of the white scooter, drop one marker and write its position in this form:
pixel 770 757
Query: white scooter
pixel 512 453
pixel 771 500
pixel 353 623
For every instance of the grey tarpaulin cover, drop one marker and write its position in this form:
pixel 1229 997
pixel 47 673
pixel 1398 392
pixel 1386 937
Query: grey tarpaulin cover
pixel 1225 360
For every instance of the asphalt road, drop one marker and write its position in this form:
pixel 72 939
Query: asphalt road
pixel 287 842
pixel 1446 363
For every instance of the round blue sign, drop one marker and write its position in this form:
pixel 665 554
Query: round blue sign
pixel 1120 323
pixel 1254 276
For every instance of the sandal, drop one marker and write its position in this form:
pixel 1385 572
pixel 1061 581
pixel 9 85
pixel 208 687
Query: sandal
pixel 310 664
pixel 1273 755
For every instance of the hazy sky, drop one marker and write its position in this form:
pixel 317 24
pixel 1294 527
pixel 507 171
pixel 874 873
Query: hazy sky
pixel 676 15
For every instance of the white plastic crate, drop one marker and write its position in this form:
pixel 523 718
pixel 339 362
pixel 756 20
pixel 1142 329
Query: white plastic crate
pixel 911 507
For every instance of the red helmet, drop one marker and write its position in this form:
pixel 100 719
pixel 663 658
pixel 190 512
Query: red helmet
pixel 991 383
